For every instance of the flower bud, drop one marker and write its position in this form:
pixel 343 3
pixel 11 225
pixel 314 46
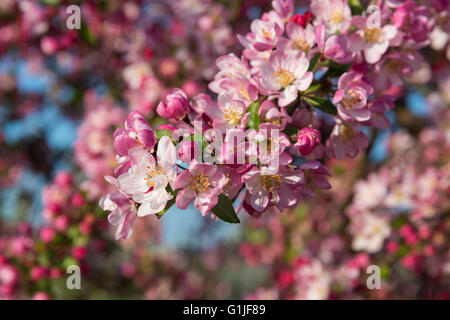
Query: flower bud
pixel 188 151
pixel 301 19
pixel 308 139
pixel 174 106
pixel 47 234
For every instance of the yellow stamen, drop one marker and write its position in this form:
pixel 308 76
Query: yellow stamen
pixel 233 115
pixel 336 17
pixel 271 182
pixel 302 44
pixel 346 132
pixel 284 77
pixel 373 35
pixel 351 98
pixel 199 183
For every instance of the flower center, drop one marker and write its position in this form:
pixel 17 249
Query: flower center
pixel 301 44
pixel 199 183
pixel 336 17
pixel 152 173
pixel 271 182
pixel 266 33
pixel 373 35
pixel 351 98
pixel 284 77
pixel 233 115
pixel 347 133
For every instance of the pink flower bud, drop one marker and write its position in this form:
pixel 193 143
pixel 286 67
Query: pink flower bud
pixel 77 200
pixel 79 252
pixel 47 234
pixel 174 106
pixel 49 45
pixel 37 273
pixel 63 179
pixel 40 295
pixel 55 273
pixel 192 88
pixel 61 223
pixel 301 19
pixel 188 151
pixel 168 67
pixel 308 139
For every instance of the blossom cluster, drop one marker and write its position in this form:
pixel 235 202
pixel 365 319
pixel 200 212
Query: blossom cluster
pixel 301 92
pixel 397 220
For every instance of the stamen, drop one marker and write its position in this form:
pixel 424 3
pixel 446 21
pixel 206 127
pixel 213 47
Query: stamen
pixel 284 77
pixel 271 182
pixel 199 183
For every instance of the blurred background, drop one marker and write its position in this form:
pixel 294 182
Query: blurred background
pixel 64 92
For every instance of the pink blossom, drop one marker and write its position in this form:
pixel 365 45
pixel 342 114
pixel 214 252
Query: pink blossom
pixel 202 182
pixel 263 36
pixel 284 8
pixel 79 252
pixel 228 113
pixel 346 140
pixel 351 96
pixel 266 188
pixel 335 14
pixel 8 275
pixel 137 132
pixel 123 213
pixel 373 41
pixel 40 295
pixel 300 39
pixel 47 234
pixel 37 273
pixel 413 20
pixel 146 180
pixel 234 183
pixel 269 112
pixel 284 75
pixel 315 177
pixel 174 106
pixel 369 232
pixel 188 151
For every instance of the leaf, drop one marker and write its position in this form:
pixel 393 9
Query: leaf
pixel 290 131
pixel 356 7
pixel 313 88
pixel 314 61
pixel 87 35
pixel 159 133
pixel 322 104
pixel 253 120
pixel 225 211
pixel 337 69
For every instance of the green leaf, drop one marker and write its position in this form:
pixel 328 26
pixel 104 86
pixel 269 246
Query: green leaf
pixel 337 69
pixel 159 133
pixel 225 211
pixel 322 104
pixel 356 7
pixel 253 120
pixel 290 131
pixel 314 62
pixel 169 205
pixel 87 35
pixel 313 88
pixel 51 2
